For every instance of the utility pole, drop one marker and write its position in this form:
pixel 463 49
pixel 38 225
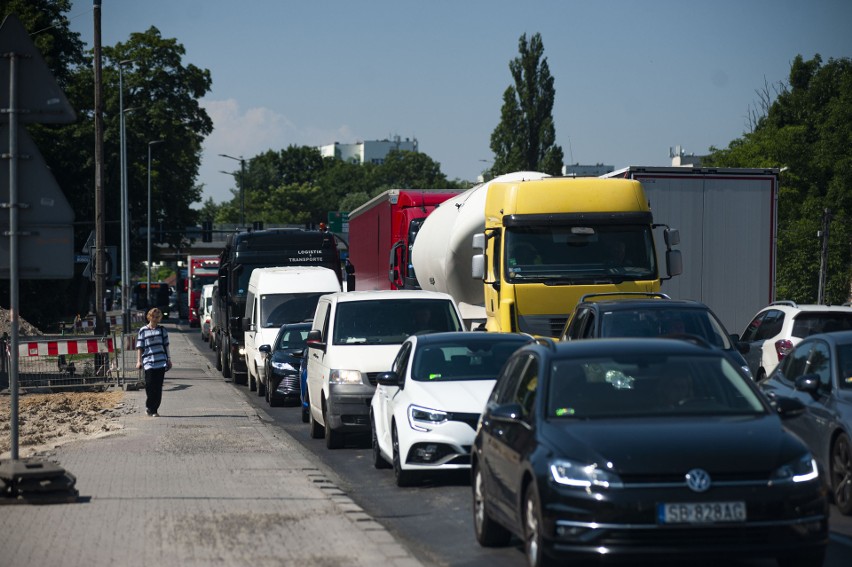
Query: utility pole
pixel 823 257
pixel 100 272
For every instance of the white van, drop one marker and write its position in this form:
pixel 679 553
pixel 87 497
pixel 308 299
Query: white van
pixel 277 296
pixel 205 308
pixel 354 337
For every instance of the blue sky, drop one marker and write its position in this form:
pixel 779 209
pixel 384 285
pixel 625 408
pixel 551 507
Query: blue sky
pixel 632 78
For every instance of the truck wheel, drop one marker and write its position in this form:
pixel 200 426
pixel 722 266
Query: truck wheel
pixel 333 439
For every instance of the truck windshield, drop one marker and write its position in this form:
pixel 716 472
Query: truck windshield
pixel 280 308
pixel 580 253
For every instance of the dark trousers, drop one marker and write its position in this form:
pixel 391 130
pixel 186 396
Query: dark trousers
pixel 154 388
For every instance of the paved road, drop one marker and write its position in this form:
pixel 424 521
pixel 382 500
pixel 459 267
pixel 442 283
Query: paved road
pixel 434 519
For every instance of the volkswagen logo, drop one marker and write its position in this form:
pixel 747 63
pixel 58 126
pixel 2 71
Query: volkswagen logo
pixel 698 480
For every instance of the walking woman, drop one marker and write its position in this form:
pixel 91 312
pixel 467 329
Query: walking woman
pixel 152 354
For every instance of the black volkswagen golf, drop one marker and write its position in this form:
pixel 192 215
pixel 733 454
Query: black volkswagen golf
pixel 642 447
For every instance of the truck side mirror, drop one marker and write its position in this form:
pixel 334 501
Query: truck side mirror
pixel 477 266
pixel 314 340
pixel 674 263
pixel 247 325
pixel 671 236
pixel 478 241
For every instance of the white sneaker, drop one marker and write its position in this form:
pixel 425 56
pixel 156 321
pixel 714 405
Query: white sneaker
pixel 155 414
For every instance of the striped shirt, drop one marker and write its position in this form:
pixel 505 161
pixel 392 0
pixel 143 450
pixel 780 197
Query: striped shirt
pixel 154 344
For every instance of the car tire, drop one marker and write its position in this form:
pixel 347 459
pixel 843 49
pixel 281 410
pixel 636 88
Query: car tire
pixel 379 461
pixel 305 414
pixel 533 538
pixel 333 439
pixel 841 474
pixel 316 428
pixel 403 477
pixel 488 532
pixel 226 363
pixel 261 387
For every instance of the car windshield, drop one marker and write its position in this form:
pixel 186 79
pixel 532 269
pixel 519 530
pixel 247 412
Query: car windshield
pixel 391 321
pixel 649 385
pixel 476 360
pixel 580 253
pixel 292 339
pixel 281 308
pixel 661 322
pixel 811 323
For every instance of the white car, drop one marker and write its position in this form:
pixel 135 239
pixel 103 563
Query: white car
pixel 425 410
pixel 777 328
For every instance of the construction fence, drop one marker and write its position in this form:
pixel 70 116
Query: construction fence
pixel 47 364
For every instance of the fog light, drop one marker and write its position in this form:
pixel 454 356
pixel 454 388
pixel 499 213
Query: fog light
pixel 426 453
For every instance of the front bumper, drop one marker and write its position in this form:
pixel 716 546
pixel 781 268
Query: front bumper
pixel 446 446
pixel 348 407
pixel 284 385
pixel 780 520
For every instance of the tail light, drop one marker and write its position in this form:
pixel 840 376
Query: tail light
pixel 783 348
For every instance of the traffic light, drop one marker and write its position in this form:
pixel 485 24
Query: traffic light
pixel 207 231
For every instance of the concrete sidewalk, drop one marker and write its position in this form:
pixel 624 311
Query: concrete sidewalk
pixel 206 483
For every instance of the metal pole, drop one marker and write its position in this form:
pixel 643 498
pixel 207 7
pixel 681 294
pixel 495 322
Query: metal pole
pixel 13 251
pixel 122 191
pixel 100 320
pixel 148 289
pixel 242 192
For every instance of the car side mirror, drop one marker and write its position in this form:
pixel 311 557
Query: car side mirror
pixel 808 383
pixel 265 349
pixel 315 340
pixel 508 412
pixel 388 379
pixel 788 408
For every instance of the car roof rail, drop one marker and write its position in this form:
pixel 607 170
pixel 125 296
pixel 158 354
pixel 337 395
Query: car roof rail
pixel 786 302
pixel 613 294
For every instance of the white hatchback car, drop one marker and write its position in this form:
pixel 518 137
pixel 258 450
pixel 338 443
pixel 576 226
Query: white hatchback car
pixel 777 328
pixel 425 410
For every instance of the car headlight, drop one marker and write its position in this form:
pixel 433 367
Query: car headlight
pixel 803 469
pixel 344 377
pixel 242 351
pixel 582 475
pixel 282 366
pixel 423 419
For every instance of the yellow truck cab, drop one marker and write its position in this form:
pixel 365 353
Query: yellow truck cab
pixel 549 241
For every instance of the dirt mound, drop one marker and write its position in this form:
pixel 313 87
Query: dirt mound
pixel 25 329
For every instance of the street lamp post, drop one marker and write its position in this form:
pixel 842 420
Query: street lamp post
pixel 125 245
pixel 148 287
pixel 242 186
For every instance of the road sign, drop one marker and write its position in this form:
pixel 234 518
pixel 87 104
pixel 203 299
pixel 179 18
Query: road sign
pixel 40 97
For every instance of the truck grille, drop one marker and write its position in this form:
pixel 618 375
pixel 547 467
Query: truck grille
pixel 542 325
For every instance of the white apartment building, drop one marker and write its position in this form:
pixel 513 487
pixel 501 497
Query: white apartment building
pixel 370 151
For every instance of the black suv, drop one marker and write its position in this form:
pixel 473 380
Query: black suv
pixel 610 315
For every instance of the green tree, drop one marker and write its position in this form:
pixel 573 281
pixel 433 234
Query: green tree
pixel 806 131
pixel 525 138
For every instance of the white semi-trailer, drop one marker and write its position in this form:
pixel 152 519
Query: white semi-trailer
pixel 727 219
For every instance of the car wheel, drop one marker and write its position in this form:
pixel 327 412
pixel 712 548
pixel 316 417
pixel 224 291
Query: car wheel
pixel 841 474
pixel 488 532
pixel 226 364
pixel 379 461
pixel 403 477
pixel 333 439
pixel 261 387
pixel 316 428
pixel 266 394
pixel 533 538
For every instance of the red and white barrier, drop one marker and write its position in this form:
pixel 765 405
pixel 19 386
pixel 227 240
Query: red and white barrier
pixel 62 346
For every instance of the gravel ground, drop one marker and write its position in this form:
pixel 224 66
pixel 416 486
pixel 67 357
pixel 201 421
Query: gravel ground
pixel 48 420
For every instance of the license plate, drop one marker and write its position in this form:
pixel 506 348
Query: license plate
pixel 701 512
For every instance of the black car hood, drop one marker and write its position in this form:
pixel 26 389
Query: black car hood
pixel 660 445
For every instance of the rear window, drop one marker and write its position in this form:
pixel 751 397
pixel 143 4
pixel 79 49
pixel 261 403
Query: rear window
pixel 810 323
pixel 662 322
